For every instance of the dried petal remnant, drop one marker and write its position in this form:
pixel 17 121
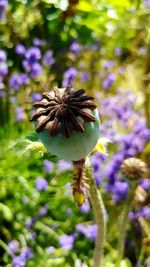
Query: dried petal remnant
pixel 63 111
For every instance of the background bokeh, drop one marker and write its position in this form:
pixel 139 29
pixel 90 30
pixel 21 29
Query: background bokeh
pixel 102 46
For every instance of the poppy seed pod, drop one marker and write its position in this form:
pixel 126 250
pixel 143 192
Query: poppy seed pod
pixel 67 123
pixel 133 168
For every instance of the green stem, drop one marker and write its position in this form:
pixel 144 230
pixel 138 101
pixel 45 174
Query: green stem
pixel 99 214
pixel 123 224
pixel 147 87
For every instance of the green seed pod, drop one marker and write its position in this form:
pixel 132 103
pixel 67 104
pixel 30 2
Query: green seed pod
pixel 67 123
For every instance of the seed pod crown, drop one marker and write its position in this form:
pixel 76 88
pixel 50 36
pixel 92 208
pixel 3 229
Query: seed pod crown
pixel 62 111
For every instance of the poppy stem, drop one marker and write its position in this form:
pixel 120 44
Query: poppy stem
pixel 99 214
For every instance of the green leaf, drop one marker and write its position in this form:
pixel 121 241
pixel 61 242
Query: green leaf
pixel 125 263
pixel 6 212
pixel 32 136
pixel 84 6
pixel 118 3
pixel 21 146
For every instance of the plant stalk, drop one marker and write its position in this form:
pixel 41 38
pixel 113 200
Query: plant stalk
pixel 99 214
pixel 123 224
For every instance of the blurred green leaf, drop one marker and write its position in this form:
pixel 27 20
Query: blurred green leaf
pixel 5 212
pixel 126 263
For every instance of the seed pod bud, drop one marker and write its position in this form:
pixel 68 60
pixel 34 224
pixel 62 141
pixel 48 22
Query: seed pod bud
pixel 133 168
pixel 67 123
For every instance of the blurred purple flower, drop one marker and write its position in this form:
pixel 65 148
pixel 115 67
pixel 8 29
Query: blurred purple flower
pixel 15 81
pixel 26 253
pixel 109 80
pixel 2 93
pixel 30 222
pixel 109 64
pixel 68 211
pixel 3 4
pixel 41 184
pixel 85 208
pixel 25 200
pixel 118 51
pixel 3 56
pixel 48 166
pixel 121 70
pixel 3 69
pixel 146 3
pixel 36 97
pixel 48 58
pixel 20 49
pixel 13 247
pixel 143 51
pixel 120 191
pixel 35 70
pixel 145 183
pixel 43 211
pixel 32 55
pixel 89 231
pixel 96 161
pixel 33 235
pixel 132 216
pixel 38 42
pixel 64 165
pixel 85 76
pixel 24 78
pixel 18 261
pixel 69 76
pixel 144 212
pixel 50 250
pixel 20 115
pixel 75 47
pixel 67 241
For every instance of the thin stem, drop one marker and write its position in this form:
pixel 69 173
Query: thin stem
pixel 99 214
pixel 123 224
pixel 147 87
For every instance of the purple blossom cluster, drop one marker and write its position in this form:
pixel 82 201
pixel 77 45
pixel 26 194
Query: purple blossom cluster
pixel 31 61
pixel 19 256
pixel 146 3
pixel 64 165
pixel 41 184
pixel 3 6
pixel 127 130
pixel 48 166
pixel 17 80
pixel 109 80
pixel 67 241
pixel 20 115
pixel 97 163
pixel 89 231
pixel 143 212
pixel 32 58
pixel 75 47
pixel 48 58
pixel 69 76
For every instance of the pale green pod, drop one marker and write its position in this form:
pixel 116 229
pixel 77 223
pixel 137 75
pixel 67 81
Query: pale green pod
pixel 78 145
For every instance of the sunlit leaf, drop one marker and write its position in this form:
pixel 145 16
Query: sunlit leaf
pixel 5 212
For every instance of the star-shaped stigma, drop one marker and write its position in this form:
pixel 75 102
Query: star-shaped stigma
pixel 63 110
